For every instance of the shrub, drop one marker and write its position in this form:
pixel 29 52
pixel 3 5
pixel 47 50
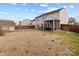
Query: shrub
pixel 2 32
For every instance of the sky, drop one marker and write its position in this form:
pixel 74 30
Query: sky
pixel 22 11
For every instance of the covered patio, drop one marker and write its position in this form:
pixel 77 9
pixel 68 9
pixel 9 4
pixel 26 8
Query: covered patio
pixel 51 25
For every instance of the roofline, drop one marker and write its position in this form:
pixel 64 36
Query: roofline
pixel 6 20
pixel 25 20
pixel 49 12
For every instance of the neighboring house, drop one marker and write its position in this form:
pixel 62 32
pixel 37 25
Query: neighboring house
pixel 7 25
pixel 52 20
pixel 33 22
pixel 26 22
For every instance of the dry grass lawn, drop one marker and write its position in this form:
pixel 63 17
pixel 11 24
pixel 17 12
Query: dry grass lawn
pixel 33 43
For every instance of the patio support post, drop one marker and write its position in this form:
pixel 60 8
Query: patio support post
pixel 53 25
pixel 59 25
pixel 43 26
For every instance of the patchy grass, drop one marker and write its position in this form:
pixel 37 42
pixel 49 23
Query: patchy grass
pixel 71 38
pixel 74 42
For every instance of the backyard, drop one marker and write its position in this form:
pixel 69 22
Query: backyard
pixel 31 42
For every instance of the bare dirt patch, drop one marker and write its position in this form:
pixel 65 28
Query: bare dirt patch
pixel 32 42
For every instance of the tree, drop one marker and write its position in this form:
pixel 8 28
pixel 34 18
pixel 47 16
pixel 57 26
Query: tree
pixel 19 22
pixel 76 23
pixel 72 20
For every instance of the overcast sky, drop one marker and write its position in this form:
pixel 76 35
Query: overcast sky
pixel 20 11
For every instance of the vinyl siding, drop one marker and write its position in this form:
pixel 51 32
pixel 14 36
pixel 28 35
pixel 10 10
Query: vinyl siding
pixel 63 16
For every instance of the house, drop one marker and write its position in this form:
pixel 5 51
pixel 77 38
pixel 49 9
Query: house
pixel 33 22
pixel 7 25
pixel 25 22
pixel 52 20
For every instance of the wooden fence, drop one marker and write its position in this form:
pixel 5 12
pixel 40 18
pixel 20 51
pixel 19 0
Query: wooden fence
pixel 63 27
pixel 70 27
pixel 24 27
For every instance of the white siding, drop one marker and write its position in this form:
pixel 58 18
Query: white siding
pixel 33 22
pixel 25 22
pixel 63 16
pixel 39 21
pixel 52 16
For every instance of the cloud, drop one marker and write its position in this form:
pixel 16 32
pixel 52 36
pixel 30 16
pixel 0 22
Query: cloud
pixel 51 9
pixel 26 17
pixel 25 10
pixel 44 5
pixel 33 10
pixel 4 14
pixel 17 8
pixel 23 4
pixel 64 6
pixel 71 6
pixel 40 11
pixel 48 10
pixel 13 3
